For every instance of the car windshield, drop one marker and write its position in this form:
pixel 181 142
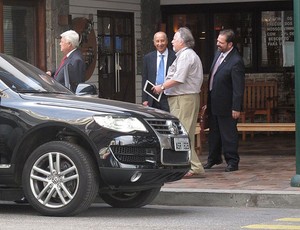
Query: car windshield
pixel 23 77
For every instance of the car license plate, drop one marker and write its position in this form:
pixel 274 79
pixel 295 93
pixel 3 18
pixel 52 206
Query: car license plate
pixel 181 144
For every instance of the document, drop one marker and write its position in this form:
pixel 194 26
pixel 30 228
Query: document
pixel 148 89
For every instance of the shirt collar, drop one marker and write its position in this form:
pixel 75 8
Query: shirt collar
pixel 71 52
pixel 181 50
pixel 226 53
pixel 164 53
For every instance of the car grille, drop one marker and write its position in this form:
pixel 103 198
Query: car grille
pixel 166 126
pixel 171 157
pixel 132 154
pixel 144 155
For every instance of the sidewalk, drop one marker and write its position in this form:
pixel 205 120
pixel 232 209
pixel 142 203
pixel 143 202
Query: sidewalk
pixel 267 164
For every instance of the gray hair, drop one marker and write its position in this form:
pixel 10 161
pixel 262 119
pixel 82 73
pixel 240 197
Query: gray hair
pixel 72 37
pixel 186 36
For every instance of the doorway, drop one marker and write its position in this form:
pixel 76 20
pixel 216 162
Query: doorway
pixel 116 66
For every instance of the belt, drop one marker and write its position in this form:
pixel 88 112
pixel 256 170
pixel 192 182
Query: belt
pixel 181 95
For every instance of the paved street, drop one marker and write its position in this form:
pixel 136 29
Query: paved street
pixel 152 217
pixel 221 200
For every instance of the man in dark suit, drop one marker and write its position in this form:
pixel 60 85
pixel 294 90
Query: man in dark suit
pixel 225 98
pixel 71 70
pixel 151 68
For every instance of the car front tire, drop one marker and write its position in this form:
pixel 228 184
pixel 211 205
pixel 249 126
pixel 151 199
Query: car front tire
pixel 60 179
pixel 130 199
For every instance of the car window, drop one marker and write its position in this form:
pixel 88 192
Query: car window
pixel 6 78
pixel 23 77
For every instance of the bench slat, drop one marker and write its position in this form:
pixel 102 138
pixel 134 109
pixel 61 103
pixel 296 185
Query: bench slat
pixel 266 127
pixel 260 127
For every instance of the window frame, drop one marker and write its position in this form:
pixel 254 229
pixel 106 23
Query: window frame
pixel 40 28
pixel 209 10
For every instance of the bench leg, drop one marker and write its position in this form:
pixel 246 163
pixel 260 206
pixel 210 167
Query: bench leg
pixel 243 119
pixel 198 138
pixel 198 144
pixel 244 135
pixel 268 119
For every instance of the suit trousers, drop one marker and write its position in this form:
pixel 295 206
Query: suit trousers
pixel 186 109
pixel 223 137
pixel 162 104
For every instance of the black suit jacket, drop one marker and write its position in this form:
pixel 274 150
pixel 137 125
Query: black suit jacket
pixel 150 69
pixel 228 85
pixel 75 66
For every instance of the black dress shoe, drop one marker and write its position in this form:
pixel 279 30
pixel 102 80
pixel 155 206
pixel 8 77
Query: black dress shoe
pixel 208 165
pixel 231 168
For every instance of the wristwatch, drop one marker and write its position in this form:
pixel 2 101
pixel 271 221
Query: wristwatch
pixel 162 87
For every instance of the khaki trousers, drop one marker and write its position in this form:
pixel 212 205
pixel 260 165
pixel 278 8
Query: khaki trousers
pixel 186 108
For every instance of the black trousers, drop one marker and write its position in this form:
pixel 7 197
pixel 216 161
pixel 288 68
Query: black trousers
pixel 223 138
pixel 162 104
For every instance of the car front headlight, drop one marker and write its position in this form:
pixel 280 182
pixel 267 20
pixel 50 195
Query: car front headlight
pixel 121 124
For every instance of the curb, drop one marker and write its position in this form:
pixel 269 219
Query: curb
pixel 228 198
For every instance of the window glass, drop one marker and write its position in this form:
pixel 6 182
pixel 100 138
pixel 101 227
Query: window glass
pixel 21 76
pixel 277 39
pixel 197 23
pixel 104 26
pixel 264 31
pixel 19 32
pixel 241 23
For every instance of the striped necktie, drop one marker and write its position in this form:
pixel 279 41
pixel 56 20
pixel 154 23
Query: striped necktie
pixel 216 66
pixel 60 66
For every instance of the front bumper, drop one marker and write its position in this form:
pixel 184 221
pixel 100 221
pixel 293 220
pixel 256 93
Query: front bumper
pixel 145 160
pixel 134 179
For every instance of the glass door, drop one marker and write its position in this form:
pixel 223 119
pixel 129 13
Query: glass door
pixel 116 56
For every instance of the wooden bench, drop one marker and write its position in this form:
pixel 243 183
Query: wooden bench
pixel 199 134
pixel 260 98
pixel 250 127
pixel 198 139
pixel 203 94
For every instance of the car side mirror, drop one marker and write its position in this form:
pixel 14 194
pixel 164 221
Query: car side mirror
pixel 86 89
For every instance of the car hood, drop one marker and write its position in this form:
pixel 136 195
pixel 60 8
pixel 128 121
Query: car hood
pixel 94 104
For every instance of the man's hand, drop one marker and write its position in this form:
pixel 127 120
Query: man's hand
pixel 145 103
pixel 235 114
pixel 157 89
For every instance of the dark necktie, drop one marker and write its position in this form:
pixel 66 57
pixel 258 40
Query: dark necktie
pixel 161 71
pixel 60 66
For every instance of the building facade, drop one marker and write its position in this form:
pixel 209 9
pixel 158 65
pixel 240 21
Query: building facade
pixel 265 39
pixel 123 30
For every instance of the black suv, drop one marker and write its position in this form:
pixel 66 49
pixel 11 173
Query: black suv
pixel 60 150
